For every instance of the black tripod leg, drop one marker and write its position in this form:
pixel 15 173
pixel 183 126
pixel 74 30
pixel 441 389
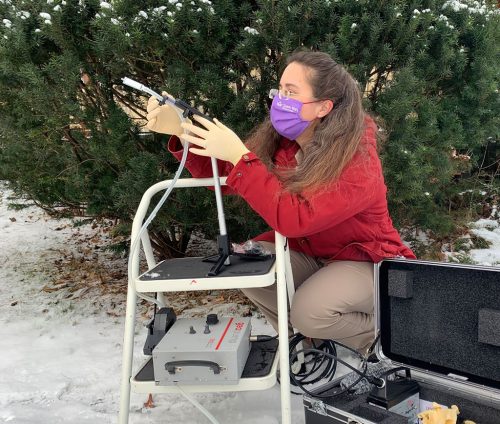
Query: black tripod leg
pixel 218 266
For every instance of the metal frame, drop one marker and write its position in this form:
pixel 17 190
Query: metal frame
pixel 281 269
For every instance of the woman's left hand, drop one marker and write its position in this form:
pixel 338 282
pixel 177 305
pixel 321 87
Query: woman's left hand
pixel 216 140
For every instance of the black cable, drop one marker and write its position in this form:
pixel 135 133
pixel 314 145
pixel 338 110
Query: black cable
pixel 362 374
pixel 306 377
pixel 263 338
pixel 327 351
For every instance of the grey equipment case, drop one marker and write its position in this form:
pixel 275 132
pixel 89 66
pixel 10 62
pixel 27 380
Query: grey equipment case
pixel 440 320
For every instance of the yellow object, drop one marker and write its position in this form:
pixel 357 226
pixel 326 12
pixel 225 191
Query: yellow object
pixel 439 415
pixel 216 140
pixel 163 119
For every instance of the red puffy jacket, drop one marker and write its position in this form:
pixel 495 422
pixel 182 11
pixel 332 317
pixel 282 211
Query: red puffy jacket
pixel 347 221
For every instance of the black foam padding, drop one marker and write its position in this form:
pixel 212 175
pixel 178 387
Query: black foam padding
pixel 437 329
pixel 146 373
pixel 195 268
pixel 401 284
pixel 259 362
pixel 260 359
pixel 488 327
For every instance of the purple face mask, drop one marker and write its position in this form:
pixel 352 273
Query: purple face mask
pixel 285 117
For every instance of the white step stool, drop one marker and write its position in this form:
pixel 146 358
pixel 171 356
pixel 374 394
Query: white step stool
pixel 185 276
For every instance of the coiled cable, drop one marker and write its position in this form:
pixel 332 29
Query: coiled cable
pixel 321 363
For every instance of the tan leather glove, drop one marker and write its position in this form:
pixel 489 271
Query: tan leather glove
pixel 216 140
pixel 163 119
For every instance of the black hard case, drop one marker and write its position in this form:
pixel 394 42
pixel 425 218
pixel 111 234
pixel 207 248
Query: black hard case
pixel 442 321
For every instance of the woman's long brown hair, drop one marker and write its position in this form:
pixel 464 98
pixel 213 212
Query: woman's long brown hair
pixel 336 137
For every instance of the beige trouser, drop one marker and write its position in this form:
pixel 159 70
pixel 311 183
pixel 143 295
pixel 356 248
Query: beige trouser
pixel 334 301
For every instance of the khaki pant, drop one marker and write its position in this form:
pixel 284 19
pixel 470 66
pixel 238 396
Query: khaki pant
pixel 334 301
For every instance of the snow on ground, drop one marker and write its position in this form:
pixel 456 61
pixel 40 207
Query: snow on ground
pixel 485 229
pixel 61 337
pixel 61 354
pixel 489 230
pixel 55 351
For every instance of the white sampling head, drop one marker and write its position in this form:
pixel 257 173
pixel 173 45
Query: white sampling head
pixel 141 87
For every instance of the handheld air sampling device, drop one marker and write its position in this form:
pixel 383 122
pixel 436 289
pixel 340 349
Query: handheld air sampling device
pixel 187 111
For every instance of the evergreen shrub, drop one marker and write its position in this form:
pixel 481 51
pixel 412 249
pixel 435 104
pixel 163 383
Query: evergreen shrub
pixel 71 135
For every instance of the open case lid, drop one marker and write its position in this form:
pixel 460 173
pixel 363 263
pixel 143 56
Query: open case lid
pixel 441 317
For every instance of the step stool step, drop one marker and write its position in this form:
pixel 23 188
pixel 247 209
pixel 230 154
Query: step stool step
pixel 259 373
pixel 183 274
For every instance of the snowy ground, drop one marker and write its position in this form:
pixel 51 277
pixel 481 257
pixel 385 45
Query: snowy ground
pixel 60 359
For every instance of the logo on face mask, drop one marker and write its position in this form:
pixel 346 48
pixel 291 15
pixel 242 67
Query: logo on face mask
pixel 287 107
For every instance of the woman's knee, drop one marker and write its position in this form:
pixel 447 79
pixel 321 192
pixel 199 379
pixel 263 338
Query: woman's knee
pixel 311 320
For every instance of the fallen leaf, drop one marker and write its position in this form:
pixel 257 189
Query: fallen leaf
pixel 149 403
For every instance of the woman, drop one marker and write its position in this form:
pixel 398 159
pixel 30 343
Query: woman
pixel 312 172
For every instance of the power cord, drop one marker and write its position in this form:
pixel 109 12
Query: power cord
pixel 135 245
pixel 379 382
pixel 323 355
pixel 309 372
pixel 136 242
pixel 263 338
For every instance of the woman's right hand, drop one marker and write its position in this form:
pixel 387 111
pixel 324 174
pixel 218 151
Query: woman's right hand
pixel 163 119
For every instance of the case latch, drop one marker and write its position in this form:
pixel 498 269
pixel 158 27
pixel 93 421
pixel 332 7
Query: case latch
pixel 318 407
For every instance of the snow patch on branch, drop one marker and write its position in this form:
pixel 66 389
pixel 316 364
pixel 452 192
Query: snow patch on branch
pixel 106 5
pixel 159 10
pixel 471 6
pixel 251 31
pixel 23 14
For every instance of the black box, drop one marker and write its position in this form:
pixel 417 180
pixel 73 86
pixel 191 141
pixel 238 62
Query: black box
pixel 442 321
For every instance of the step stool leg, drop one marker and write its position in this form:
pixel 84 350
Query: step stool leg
pixel 283 330
pixel 128 353
pixel 291 292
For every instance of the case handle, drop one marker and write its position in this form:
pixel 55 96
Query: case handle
pixel 395 370
pixel 171 366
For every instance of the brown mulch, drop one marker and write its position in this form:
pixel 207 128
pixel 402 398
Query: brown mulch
pixel 86 269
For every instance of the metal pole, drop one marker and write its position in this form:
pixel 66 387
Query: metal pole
pixel 218 199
